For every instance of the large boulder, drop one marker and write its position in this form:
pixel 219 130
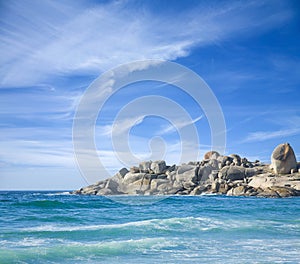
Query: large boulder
pixel 112 185
pixel 122 172
pixel 268 193
pixel 138 186
pixel 155 183
pixel 171 176
pixel 233 173
pixel 225 161
pixel 211 155
pixel 223 187
pixel 198 190
pixel 214 164
pixel 171 169
pixel 285 191
pixel 133 188
pixel 132 177
pixel 142 184
pixel 104 191
pixel 158 166
pixel 250 172
pixel 187 173
pixel 118 177
pixel 283 159
pixel 93 189
pixel 134 169
pixel 215 186
pixel 237 191
pixel 145 166
pixel 204 172
pixel 236 159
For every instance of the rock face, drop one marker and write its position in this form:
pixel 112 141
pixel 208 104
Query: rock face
pixel 232 173
pixel 158 166
pixel 227 175
pixel 283 159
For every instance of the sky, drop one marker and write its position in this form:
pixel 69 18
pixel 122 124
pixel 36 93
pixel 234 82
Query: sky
pixel 247 52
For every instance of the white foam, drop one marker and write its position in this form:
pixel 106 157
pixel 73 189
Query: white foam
pixel 171 224
pixel 152 223
pixel 58 194
pixel 29 242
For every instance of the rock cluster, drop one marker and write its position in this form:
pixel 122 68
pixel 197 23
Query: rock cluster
pixel 219 174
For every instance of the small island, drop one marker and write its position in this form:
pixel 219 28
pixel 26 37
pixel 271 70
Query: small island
pixel 216 174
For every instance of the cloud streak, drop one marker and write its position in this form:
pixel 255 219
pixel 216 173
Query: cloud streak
pixel 266 135
pixel 179 125
pixel 54 38
pixel 121 126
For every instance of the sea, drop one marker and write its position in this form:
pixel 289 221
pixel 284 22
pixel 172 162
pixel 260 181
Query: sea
pixel 57 227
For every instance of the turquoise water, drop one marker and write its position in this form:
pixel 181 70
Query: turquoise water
pixel 61 228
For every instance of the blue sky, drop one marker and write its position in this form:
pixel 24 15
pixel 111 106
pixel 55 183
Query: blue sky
pixel 51 51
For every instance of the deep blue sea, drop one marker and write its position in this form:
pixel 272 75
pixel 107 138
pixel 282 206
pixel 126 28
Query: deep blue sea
pixel 46 227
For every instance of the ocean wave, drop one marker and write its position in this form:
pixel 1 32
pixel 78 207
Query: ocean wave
pixel 161 249
pixel 38 250
pixel 28 242
pixel 42 204
pixel 151 223
pixel 132 243
pixel 93 229
pixel 185 224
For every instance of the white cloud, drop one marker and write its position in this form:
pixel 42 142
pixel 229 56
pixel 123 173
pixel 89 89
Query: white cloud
pixel 48 147
pixel 120 126
pixel 266 135
pixel 42 105
pixel 48 38
pixel 36 153
pixel 179 125
pixel 277 117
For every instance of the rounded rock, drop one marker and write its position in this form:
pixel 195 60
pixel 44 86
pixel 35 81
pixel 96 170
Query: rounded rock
pixel 283 159
pixel 211 155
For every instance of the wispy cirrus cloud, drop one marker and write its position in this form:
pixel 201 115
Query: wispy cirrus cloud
pixel 42 39
pixel 179 125
pixel 121 126
pixel 125 125
pixel 38 146
pixel 266 135
pixel 37 105
pixel 276 119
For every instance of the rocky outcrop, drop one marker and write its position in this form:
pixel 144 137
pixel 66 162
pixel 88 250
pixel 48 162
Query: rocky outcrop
pixel 228 175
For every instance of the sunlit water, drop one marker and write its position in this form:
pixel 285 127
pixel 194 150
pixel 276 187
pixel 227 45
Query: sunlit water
pixel 61 228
